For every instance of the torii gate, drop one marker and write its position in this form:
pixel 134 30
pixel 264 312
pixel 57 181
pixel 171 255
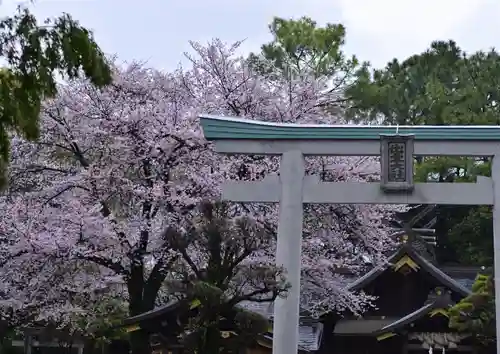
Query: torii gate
pixel 395 145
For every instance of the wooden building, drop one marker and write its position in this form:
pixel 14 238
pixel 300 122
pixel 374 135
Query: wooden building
pixel 410 316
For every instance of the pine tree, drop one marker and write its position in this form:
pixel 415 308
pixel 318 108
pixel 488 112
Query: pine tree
pixel 442 86
pixel 476 313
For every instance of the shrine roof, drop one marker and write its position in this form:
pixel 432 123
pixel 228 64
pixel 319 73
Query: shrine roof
pixel 310 332
pixel 441 300
pixel 154 313
pixel 411 317
pixel 379 326
pixel 220 128
pixel 406 249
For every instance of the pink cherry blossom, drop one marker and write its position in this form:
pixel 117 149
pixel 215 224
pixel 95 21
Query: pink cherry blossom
pixel 88 205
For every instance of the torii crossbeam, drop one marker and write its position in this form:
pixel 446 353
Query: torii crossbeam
pixel 292 189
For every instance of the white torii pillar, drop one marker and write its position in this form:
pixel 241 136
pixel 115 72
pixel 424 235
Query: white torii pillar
pixel 292 189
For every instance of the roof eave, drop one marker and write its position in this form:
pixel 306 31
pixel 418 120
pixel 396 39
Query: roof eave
pixel 421 261
pixel 375 272
pixel 412 317
pixel 150 315
pixel 444 278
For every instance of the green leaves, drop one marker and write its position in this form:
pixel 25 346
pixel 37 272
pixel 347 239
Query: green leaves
pixel 472 234
pixel 300 42
pixel 104 324
pixel 300 46
pixel 476 313
pixel 441 86
pixel 35 54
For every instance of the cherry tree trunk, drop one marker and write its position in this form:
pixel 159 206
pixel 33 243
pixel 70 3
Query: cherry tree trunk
pixel 139 303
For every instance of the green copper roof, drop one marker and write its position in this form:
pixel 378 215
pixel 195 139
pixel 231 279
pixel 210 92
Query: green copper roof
pixel 219 128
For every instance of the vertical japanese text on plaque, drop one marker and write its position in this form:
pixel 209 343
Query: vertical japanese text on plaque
pixel 397 162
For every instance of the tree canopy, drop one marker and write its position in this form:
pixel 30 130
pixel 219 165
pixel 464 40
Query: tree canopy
pixel 94 203
pixel 476 313
pixel 234 274
pixel 302 47
pixel 441 86
pixel 34 54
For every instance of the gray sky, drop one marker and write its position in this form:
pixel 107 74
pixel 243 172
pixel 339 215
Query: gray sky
pixel 158 30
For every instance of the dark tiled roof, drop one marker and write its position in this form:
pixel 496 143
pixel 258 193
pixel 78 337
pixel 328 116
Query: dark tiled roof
pixel 411 317
pixel 309 333
pixel 378 326
pixel 436 300
pixel 158 311
pixel 444 278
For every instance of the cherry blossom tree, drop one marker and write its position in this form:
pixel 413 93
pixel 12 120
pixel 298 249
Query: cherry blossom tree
pixel 336 237
pixel 89 205
pixel 232 268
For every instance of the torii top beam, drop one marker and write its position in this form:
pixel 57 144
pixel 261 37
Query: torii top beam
pixel 243 136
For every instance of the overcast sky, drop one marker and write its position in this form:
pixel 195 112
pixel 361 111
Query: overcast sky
pixel 377 30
